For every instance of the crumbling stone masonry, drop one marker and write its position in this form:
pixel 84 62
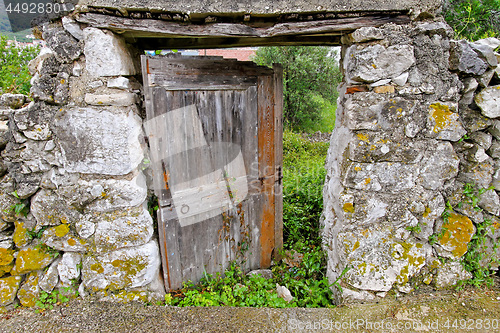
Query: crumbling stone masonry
pixel 415 124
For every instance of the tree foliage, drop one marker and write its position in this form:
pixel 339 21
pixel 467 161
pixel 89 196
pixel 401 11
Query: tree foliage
pixel 473 19
pixel 14 73
pixel 310 79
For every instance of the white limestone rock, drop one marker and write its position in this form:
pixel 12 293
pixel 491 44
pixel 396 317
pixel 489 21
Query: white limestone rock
pixel 72 27
pixel 125 268
pixel 107 54
pixel 488 101
pixel 119 83
pixel 376 62
pixel 118 99
pixel 103 140
pixel 123 228
pixel 449 274
pixel 365 34
pixel 68 268
pixel 50 278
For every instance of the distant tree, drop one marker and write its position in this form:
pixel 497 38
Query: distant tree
pixel 473 19
pixel 310 79
pixel 14 73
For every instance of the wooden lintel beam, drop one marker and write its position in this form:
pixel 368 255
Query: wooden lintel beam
pixel 207 43
pixel 159 28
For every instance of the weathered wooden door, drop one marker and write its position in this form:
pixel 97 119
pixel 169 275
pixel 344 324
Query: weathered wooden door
pixel 215 131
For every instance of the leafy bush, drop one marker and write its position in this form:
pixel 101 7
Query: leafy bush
pixel 303 179
pixel 14 73
pixel 310 79
pixel 473 19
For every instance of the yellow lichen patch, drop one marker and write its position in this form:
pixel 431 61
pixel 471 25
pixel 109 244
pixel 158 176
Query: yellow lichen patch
pixel 362 137
pixel 441 114
pixel 97 267
pixel 28 293
pixel 71 242
pixel 20 236
pixel 348 207
pixel 427 211
pixel 357 168
pixel 128 296
pixel 61 230
pixel 6 269
pixel 31 259
pixel 368 181
pixel 459 230
pixel 356 245
pixel 8 289
pixel 6 256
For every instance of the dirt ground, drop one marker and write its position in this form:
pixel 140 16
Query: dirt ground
pixel 471 310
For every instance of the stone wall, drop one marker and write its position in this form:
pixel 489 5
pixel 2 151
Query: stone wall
pixel 74 157
pixel 415 127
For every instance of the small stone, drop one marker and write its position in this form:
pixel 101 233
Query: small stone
pixel 365 34
pixel 492 42
pixel 85 228
pixel 478 154
pixel 62 238
pixel 443 122
pixel 464 59
pixel 488 101
pixel 68 267
pixel 284 293
pixel 13 101
pixel 494 150
pixel 9 287
pixel 482 139
pixel 384 90
pixel 470 86
pixel 401 79
pixel 29 291
pixel 65 46
pixel 50 145
pixel 486 52
pixel 363 295
pixel 96 84
pixel 380 83
pixel 484 80
pixel 50 278
pixel 119 99
pixel 490 202
pixel 265 273
pixel 472 120
pixel 32 258
pixel 119 83
pixel 72 27
pixel 495 129
pixel 454 235
pixel 449 274
pixel 77 69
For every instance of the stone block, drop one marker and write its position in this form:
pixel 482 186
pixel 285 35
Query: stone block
pixel 384 90
pixel 100 140
pixel 65 47
pixel 63 238
pixel 449 274
pixel 8 288
pixel 485 52
pixel 464 59
pixel 118 99
pixel 32 258
pixel 365 34
pixel 68 268
pixel 72 27
pixel 440 163
pixel 443 122
pixel 490 202
pixel 483 139
pixel 473 120
pixel 373 63
pixel 488 101
pixel 29 292
pixel 106 54
pixel 119 83
pixel 123 228
pixel 125 268
pixel 50 278
pixel 454 235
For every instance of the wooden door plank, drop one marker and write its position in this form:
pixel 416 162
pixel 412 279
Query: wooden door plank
pixel 266 165
pixel 278 159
